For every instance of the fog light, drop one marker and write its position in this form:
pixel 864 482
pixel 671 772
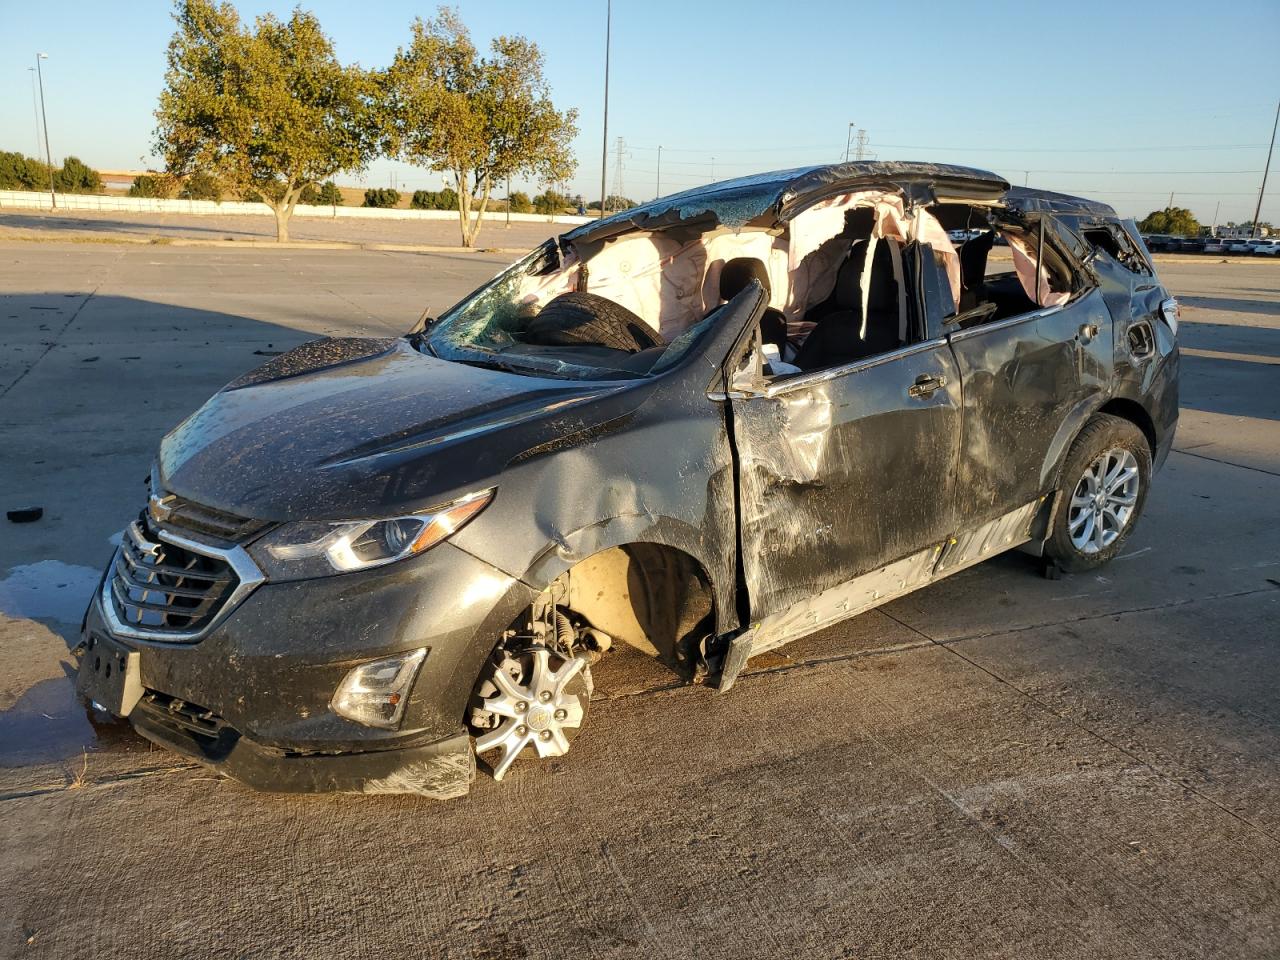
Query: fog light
pixel 375 693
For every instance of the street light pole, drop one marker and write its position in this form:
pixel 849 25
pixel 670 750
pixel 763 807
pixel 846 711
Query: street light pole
pixel 35 108
pixel 604 148
pixel 657 186
pixel 1257 212
pixel 53 197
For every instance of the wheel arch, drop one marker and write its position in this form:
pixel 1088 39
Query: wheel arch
pixel 1133 411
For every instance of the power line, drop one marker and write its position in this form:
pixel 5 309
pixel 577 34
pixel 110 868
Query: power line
pixel 916 146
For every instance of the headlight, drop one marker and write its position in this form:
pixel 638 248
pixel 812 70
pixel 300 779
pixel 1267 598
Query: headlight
pixel 375 693
pixel 319 548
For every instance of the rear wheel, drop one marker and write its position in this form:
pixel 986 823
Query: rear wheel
pixel 1104 488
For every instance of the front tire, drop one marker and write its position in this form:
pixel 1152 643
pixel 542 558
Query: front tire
pixel 1105 480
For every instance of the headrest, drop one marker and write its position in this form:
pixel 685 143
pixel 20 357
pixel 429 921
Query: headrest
pixel 740 271
pixel 973 260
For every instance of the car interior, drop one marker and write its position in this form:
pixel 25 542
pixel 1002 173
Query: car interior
pixel 623 303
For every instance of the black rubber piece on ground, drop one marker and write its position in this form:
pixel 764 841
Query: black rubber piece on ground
pixel 578 319
pixel 25 515
pixel 1103 432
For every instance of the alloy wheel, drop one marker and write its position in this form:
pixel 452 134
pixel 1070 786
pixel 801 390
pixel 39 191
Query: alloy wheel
pixel 1103 501
pixel 533 699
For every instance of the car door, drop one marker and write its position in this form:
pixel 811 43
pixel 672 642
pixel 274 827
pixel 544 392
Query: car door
pixel 1029 382
pixel 844 470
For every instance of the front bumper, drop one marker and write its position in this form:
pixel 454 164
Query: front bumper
pixel 440 769
pixel 263 677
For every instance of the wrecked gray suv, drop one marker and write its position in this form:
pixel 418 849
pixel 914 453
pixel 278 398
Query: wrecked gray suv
pixel 702 428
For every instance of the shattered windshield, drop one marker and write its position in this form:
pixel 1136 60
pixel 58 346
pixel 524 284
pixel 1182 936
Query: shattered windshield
pixel 531 320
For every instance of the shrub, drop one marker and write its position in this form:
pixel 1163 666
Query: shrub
pixel 18 172
pixel 519 203
pixel 445 199
pixel 75 177
pixel 201 186
pixel 381 197
pixel 157 186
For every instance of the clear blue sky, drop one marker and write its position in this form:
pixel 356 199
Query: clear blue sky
pixel 1123 101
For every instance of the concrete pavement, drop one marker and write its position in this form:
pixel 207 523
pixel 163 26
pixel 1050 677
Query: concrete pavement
pixel 999 765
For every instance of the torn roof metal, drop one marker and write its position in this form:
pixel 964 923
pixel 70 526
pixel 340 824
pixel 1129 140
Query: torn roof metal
pixel 733 203
pixel 1027 200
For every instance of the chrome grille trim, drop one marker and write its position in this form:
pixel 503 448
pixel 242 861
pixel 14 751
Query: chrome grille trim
pixel 215 602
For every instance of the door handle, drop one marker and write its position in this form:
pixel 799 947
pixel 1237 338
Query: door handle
pixel 925 385
pixel 1088 331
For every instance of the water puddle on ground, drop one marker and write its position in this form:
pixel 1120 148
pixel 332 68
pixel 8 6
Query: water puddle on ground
pixel 48 590
pixel 49 724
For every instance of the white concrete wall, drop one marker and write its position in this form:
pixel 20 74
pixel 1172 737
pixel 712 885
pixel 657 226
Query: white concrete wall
pixel 21 199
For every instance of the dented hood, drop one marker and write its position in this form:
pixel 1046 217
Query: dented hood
pixel 357 428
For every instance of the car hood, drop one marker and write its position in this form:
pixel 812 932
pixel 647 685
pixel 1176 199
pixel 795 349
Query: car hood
pixel 349 428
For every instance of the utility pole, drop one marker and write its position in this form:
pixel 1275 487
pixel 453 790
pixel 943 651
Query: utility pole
pixel 53 197
pixel 604 146
pixel 1213 231
pixel 713 169
pixel 1257 211
pixel 35 107
pixel 657 184
pixel 848 139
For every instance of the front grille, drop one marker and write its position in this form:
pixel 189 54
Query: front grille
pixel 173 510
pixel 162 587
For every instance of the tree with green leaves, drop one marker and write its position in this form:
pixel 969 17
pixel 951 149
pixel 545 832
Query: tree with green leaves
pixel 519 202
pixel 1171 220
pixel 267 109
pixel 481 120
pixel 201 185
pixel 551 203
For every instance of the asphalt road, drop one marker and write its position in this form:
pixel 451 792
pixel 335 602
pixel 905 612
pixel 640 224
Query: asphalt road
pixel 997 766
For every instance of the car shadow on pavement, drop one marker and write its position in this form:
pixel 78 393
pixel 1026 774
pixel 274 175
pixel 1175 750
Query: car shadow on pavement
pixel 88 386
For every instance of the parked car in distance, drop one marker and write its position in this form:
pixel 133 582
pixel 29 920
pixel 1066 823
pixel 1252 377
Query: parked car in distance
pixel 1214 245
pixel 1237 245
pixel 702 428
pixel 1160 242
pixel 1191 245
pixel 1265 246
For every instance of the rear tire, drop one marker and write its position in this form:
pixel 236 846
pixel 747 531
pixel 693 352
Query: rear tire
pixel 1104 486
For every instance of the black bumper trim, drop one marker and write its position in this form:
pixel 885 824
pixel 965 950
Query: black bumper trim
pixel 443 769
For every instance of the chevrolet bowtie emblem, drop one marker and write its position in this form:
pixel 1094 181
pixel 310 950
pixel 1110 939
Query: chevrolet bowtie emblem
pixel 161 508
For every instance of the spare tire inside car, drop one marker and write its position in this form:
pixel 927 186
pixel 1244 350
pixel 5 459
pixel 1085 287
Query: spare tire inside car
pixel 581 319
